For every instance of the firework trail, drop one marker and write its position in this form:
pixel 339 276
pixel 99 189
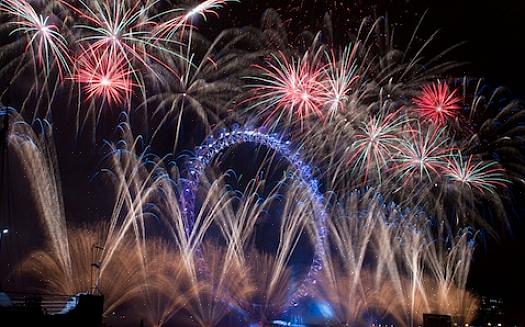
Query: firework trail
pixel 363 228
pixel 183 19
pixel 79 38
pixel 340 79
pixel 376 143
pixel 43 38
pixel 36 155
pixel 204 83
pixel 477 175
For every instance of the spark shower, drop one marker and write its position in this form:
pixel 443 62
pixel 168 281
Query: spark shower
pixel 258 173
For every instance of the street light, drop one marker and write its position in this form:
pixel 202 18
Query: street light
pixel 5 230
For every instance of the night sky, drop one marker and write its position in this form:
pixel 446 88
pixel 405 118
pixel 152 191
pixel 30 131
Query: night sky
pixel 494 48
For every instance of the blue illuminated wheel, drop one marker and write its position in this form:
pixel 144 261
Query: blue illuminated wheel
pixel 204 156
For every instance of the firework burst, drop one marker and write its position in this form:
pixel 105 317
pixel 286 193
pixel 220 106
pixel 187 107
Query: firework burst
pixel 376 142
pixel 43 37
pixel 104 75
pixel 290 86
pixel 341 75
pixel 125 30
pixel 479 175
pixel 437 103
pixel 422 154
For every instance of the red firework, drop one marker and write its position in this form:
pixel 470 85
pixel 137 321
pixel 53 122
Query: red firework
pixel 291 85
pixel 104 75
pixel 437 103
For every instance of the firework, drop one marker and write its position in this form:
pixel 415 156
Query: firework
pixel 43 37
pixel 289 87
pixel 496 121
pixel 312 200
pixel 125 30
pixel 111 24
pixel 104 75
pixel 422 154
pixel 203 83
pixel 478 175
pixel 184 18
pixel 36 155
pixel 376 143
pixel 207 7
pixel 213 281
pixel 383 252
pixel 181 239
pixel 437 103
pixel 270 280
pixel 341 75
